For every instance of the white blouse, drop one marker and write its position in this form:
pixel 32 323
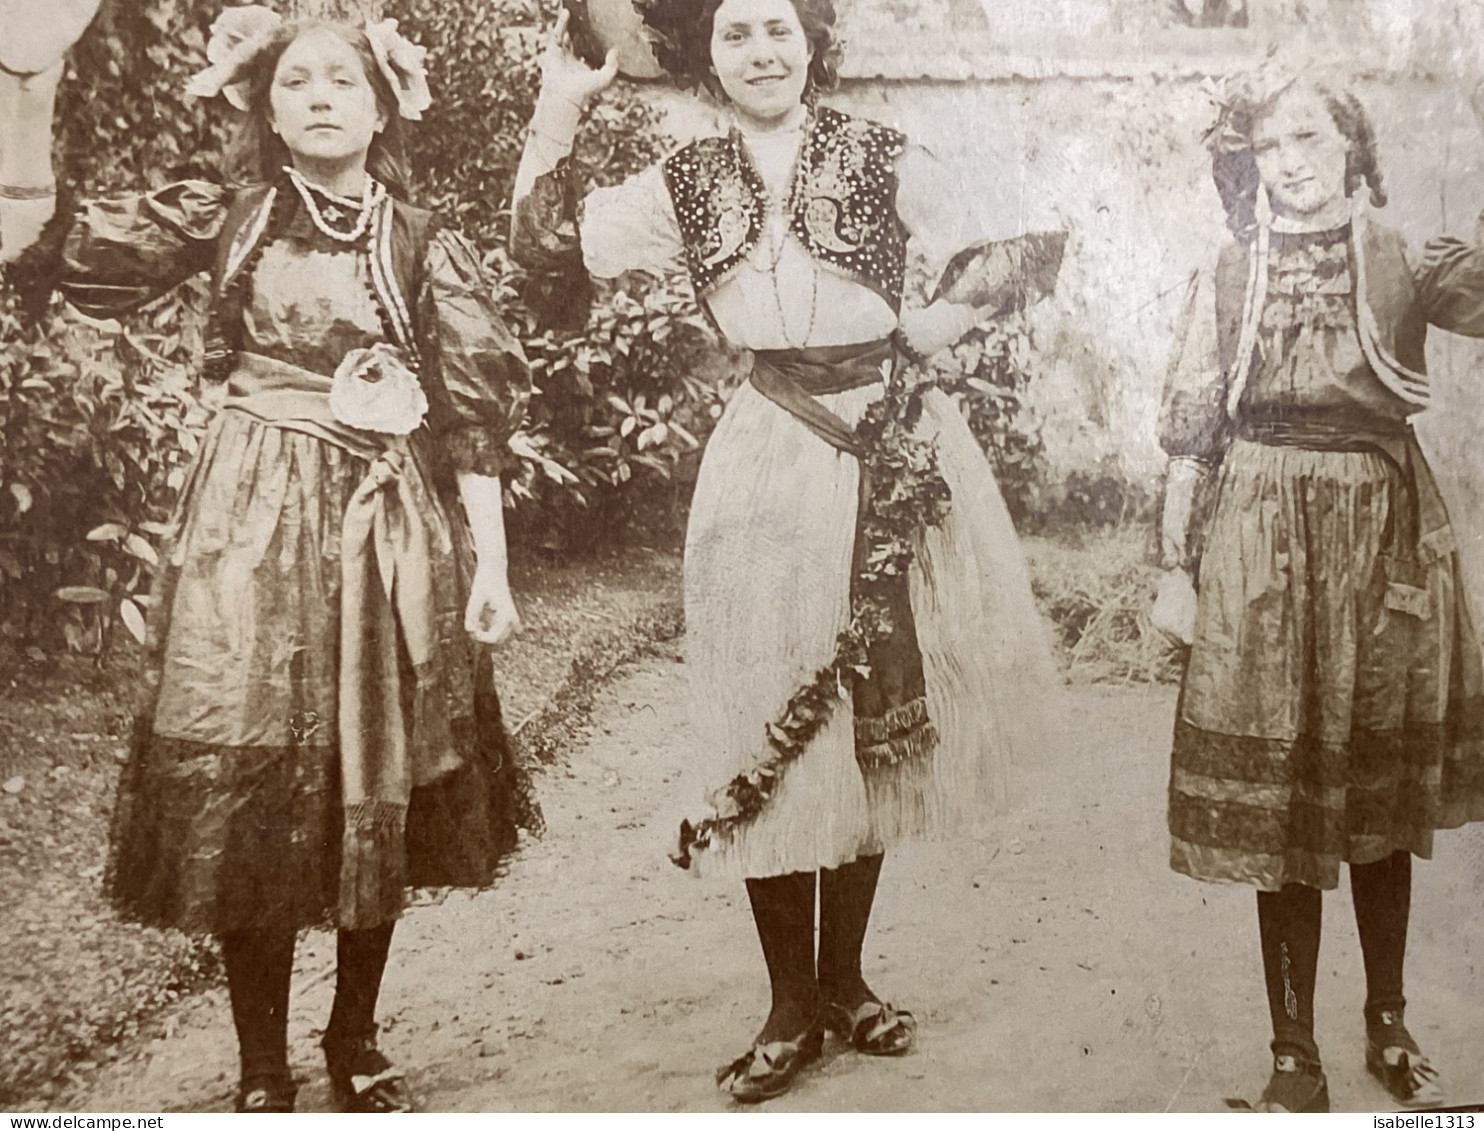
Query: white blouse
pixel 781 297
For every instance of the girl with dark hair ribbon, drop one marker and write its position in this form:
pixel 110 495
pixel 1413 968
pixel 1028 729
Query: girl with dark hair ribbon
pixel 1332 710
pixel 858 679
pixel 321 732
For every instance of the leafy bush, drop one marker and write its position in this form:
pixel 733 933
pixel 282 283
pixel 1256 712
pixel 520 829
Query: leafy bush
pixel 622 411
pixel 989 369
pixel 98 427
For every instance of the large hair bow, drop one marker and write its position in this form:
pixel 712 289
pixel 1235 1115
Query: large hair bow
pixel 239 35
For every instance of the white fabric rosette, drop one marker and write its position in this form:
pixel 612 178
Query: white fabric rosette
pixel 403 64
pixel 237 35
pixel 374 390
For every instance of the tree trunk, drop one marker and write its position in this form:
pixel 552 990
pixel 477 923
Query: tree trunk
pixel 349 11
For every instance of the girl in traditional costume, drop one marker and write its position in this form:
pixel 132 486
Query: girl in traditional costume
pixel 861 675
pixel 1332 709
pixel 321 732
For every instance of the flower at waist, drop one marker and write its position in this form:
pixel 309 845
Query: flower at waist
pixel 374 390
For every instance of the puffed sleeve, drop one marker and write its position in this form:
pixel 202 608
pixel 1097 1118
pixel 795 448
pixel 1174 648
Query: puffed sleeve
pixel 474 369
pixel 1450 283
pixel 1193 422
pixel 121 253
pixel 631 227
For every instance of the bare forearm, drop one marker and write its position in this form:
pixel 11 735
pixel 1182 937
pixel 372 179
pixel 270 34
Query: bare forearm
pixel 484 505
pixel 27 199
pixel 549 140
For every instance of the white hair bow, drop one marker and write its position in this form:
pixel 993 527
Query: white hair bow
pixel 240 34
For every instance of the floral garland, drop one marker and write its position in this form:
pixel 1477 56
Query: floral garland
pixel 905 495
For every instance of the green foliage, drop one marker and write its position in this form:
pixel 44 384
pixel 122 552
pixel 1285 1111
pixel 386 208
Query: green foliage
pixel 988 370
pixel 123 121
pixel 623 407
pixel 96 429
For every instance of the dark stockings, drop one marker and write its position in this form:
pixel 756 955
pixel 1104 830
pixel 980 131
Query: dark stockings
pixel 260 965
pixel 845 898
pixel 360 962
pixel 1288 922
pixel 1382 893
pixel 1289 925
pixel 783 908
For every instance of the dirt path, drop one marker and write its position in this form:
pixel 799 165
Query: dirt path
pixel 1063 968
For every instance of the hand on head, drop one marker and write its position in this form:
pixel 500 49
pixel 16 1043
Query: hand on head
pixel 565 76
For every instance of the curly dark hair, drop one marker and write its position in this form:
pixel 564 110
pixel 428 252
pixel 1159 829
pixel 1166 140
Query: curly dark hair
pixel 681 31
pixel 255 154
pixel 1234 168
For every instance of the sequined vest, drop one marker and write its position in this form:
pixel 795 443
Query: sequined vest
pixel 842 203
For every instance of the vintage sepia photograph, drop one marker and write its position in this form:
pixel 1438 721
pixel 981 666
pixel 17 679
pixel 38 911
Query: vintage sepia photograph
pixel 720 555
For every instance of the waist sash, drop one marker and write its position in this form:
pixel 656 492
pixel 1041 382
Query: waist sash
pixel 390 533
pixel 890 703
pixel 791 379
pixel 1425 534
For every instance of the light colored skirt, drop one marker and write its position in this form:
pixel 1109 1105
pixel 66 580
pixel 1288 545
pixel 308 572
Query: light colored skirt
pixel 767 591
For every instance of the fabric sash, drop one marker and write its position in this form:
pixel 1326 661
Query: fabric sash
pixel 890 704
pixel 1425 535
pixel 791 379
pixel 389 741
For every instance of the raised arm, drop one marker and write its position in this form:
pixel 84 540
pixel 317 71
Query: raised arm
pixel 108 256
pixel 34 37
pixel 1450 283
pixel 543 233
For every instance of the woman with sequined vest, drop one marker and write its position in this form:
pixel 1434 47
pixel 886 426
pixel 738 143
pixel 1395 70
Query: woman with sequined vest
pixel 322 730
pixel 838 707
pixel 1332 710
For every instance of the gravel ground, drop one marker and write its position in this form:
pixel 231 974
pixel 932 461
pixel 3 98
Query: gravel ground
pixel 79 988
pixel 1061 966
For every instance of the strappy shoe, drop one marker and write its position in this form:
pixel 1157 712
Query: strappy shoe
pixel 266 1094
pixel 874 1028
pixel 768 1069
pixel 362 1079
pixel 1297 1084
pixel 1393 1057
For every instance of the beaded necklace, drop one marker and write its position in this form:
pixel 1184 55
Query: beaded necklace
pixel 361 211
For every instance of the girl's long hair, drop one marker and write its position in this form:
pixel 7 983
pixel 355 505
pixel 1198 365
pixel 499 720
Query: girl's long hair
pixel 255 153
pixel 1234 168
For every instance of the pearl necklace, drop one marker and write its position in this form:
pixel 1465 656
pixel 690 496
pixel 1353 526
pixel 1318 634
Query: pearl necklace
pixel 363 209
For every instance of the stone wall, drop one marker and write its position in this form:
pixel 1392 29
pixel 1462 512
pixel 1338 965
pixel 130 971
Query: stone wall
pixel 1118 161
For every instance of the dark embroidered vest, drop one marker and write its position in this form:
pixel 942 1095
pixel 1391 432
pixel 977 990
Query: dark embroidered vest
pixel 1392 294
pixel 842 204
pixel 397 255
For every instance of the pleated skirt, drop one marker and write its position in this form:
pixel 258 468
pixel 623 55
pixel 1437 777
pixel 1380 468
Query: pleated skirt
pixel 767 591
